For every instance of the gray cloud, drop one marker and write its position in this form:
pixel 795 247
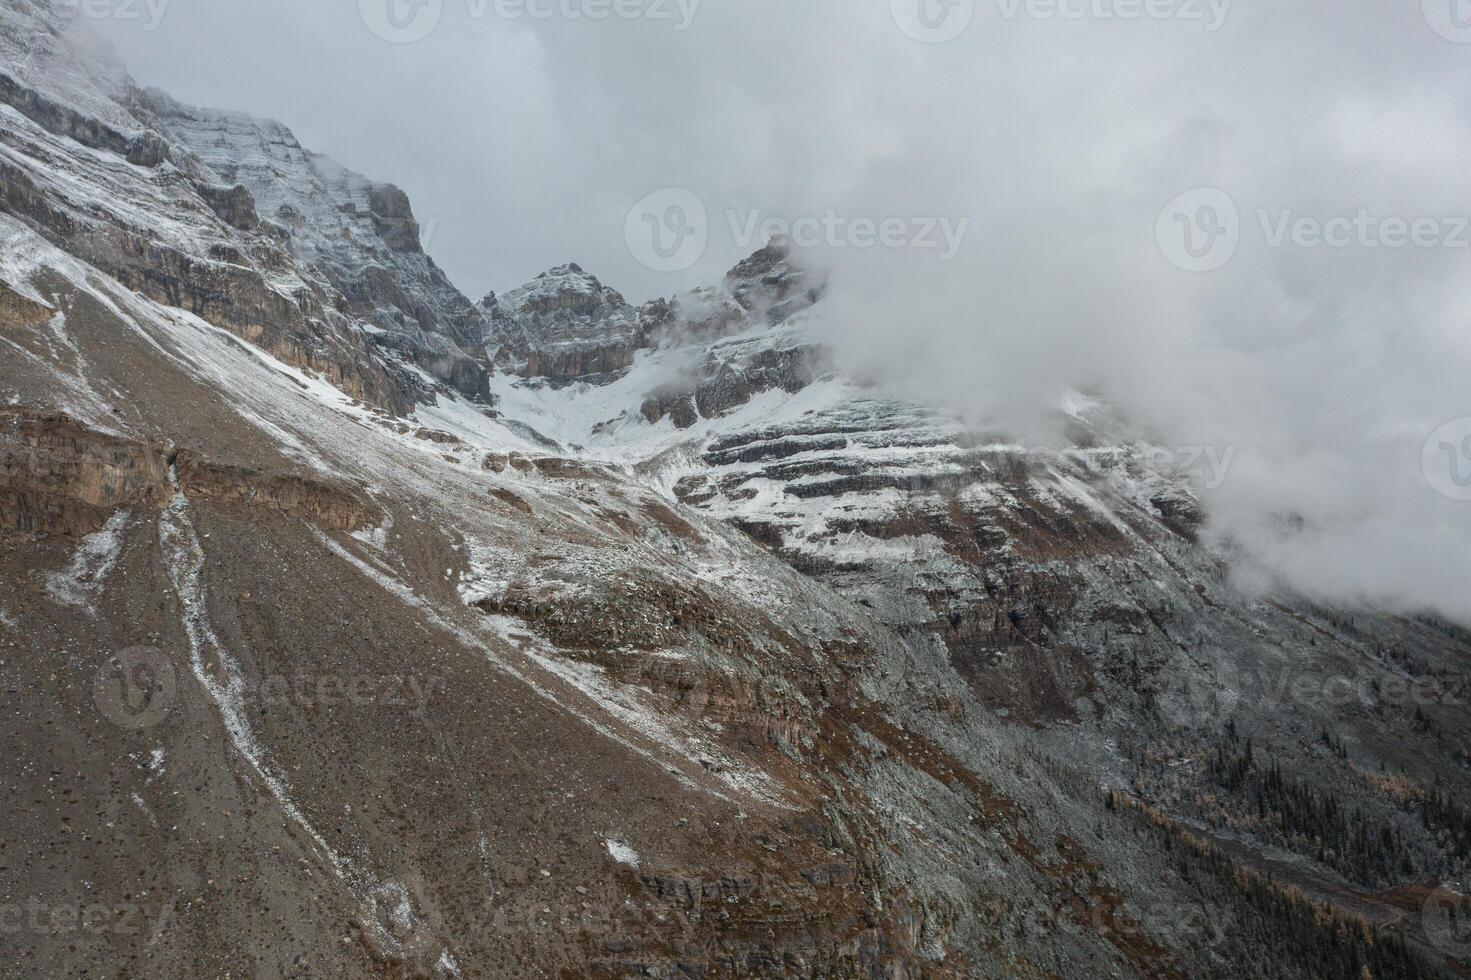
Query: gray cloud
pixel 526 142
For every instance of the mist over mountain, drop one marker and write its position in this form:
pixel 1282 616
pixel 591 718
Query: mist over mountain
pixel 1325 368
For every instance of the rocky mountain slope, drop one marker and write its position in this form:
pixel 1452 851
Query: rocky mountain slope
pixel 1072 590
pixel 691 658
pixel 564 326
pixel 360 236
pixel 228 217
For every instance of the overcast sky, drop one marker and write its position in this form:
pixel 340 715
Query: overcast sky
pixel 1050 148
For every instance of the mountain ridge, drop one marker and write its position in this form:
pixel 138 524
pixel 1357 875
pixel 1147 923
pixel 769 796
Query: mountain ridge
pixel 728 664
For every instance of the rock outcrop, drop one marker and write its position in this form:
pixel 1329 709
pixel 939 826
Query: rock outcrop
pixel 89 166
pixel 1072 589
pixel 361 237
pixel 564 326
pixel 18 312
pixel 59 477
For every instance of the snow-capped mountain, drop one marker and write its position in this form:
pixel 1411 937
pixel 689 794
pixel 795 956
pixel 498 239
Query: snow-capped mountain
pixel 1073 590
pixel 360 236
pixel 693 656
pixel 229 217
pixel 563 326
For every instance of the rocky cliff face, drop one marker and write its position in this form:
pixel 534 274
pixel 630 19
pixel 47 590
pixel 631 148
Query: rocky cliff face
pixel 1068 588
pixel 563 326
pixel 309 683
pixel 360 236
pixel 228 217
pixel 724 665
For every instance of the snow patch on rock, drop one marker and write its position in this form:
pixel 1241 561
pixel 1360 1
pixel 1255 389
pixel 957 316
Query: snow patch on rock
pixel 622 852
pixel 98 553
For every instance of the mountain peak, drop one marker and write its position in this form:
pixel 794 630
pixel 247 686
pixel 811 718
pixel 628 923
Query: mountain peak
pixel 770 280
pixel 776 251
pixel 564 325
pixel 359 235
pixel 562 287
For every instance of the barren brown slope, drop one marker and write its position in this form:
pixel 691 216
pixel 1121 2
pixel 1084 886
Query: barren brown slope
pixel 645 744
pixel 298 688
